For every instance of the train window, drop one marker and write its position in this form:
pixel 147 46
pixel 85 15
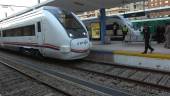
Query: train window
pixel 39 26
pixel 0 33
pixel 29 30
pixel 70 23
pixel 21 31
pixel 17 32
pixel 8 33
pixel 4 33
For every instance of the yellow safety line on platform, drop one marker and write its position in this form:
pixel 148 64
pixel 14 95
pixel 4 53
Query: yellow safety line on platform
pixel 139 54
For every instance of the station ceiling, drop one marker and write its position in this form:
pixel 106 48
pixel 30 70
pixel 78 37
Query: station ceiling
pixel 87 5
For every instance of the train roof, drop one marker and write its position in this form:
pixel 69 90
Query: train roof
pixel 36 7
pixel 154 19
pixel 96 18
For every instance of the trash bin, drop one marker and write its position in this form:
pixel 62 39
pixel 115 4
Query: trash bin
pixel 107 40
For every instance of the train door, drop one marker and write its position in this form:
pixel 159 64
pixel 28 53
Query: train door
pixel 40 36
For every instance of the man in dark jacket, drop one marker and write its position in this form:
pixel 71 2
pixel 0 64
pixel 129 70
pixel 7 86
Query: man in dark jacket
pixel 147 39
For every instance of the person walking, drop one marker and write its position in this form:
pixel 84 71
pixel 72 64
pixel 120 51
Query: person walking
pixel 147 39
pixel 124 31
pixel 167 36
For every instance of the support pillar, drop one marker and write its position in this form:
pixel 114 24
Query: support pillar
pixel 102 24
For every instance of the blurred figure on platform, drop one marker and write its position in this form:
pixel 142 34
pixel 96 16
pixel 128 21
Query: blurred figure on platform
pixel 124 31
pixel 167 36
pixel 160 34
pixel 147 36
pixel 115 28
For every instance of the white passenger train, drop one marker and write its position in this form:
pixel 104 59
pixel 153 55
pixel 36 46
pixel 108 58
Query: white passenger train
pixel 48 31
pixel 133 33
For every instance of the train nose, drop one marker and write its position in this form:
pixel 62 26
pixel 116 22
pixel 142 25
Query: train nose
pixel 65 49
pixel 82 44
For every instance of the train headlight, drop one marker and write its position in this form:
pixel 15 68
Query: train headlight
pixel 71 35
pixel 65 49
pixel 84 33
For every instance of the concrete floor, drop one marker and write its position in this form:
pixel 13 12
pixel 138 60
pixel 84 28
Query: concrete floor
pixel 131 46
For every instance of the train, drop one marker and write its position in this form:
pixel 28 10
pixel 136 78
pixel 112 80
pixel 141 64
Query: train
pixel 46 31
pixel 154 24
pixel 93 26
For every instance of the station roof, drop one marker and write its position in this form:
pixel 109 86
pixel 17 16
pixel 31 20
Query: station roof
pixel 87 5
pixel 79 5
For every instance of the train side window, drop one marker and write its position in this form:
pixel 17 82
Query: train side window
pixel 0 33
pixel 21 31
pixel 39 26
pixel 8 33
pixel 4 33
pixel 18 32
pixel 29 30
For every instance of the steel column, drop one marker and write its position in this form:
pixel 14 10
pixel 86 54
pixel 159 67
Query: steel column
pixel 102 24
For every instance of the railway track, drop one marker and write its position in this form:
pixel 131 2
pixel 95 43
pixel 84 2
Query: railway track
pixel 128 79
pixel 13 83
pixel 155 78
pixel 60 81
pixel 134 76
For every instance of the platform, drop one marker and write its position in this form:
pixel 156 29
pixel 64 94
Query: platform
pixel 130 54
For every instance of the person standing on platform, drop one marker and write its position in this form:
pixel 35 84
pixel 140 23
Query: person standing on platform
pixel 124 31
pixel 147 39
pixel 158 34
pixel 115 28
pixel 167 36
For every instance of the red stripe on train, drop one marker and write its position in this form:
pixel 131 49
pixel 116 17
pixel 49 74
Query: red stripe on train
pixel 45 45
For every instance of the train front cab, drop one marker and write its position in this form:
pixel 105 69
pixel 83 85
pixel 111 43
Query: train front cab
pixel 71 34
pixel 79 39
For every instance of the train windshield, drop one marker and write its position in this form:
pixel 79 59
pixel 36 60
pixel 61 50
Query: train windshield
pixel 71 24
